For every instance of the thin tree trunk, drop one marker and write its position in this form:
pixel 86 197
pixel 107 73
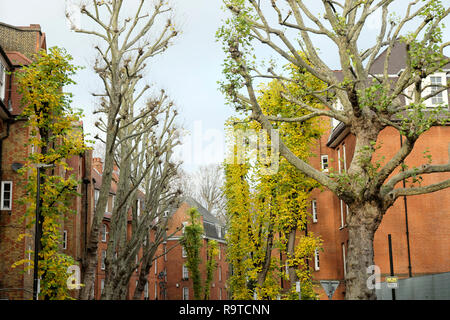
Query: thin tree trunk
pixel 290 252
pixel 267 259
pixel 146 265
pixel 90 260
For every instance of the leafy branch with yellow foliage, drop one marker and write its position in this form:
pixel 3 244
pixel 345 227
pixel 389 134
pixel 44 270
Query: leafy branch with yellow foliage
pixel 268 212
pixel 56 135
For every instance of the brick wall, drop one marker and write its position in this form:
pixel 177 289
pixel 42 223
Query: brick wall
pixel 11 225
pixel 27 40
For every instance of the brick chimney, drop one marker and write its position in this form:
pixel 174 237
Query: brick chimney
pixel 97 163
pixel 35 26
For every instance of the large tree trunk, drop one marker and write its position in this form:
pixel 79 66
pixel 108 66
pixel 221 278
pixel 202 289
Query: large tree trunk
pixel 363 221
pixel 117 287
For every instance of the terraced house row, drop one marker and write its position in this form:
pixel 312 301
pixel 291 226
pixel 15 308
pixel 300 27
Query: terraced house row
pixel 168 278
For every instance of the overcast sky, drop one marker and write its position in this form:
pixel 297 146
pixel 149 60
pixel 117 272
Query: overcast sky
pixel 188 71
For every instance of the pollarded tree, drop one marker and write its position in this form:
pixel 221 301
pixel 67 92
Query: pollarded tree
pixel 126 46
pixel 370 103
pixel 146 170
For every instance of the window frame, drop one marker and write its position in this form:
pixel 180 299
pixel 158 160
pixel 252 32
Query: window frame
pixel 103 258
pixel 314 210
pixel 185 293
pixel 339 160
pixel 102 285
pixel 64 242
pixel 185 272
pixel 434 87
pixel 428 90
pixel 104 232
pixel 341 202
pixel 96 196
pixel 2 196
pixel 322 157
pixel 146 296
pixel 316 260
pixel 344 156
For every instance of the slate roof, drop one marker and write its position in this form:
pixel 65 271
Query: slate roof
pixel 210 223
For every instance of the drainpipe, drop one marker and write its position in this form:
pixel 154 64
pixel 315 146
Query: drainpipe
pixel 8 121
pixel 1 148
pixel 406 222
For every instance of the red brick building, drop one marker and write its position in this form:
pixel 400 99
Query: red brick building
pixel 178 285
pixel 419 225
pixel 17 46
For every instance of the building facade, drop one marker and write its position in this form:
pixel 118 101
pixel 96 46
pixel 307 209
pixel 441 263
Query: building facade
pixel 178 283
pixel 17 44
pixel 419 225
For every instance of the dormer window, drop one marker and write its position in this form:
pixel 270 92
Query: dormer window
pixel 433 85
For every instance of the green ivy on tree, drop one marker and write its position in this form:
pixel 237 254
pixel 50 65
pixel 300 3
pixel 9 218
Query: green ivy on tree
pixel 192 243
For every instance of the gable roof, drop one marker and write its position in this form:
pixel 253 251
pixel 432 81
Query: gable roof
pixel 211 225
pixel 207 216
pixel 397 60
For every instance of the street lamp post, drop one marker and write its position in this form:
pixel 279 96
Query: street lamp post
pixel 38 228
